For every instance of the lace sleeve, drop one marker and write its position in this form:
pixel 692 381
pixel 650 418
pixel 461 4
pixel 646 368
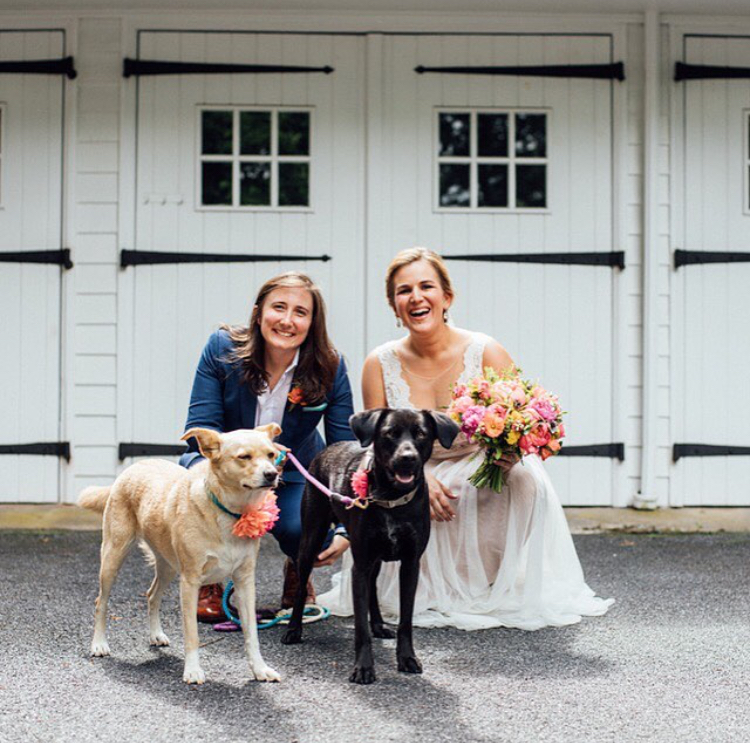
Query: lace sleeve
pixel 396 388
pixel 473 358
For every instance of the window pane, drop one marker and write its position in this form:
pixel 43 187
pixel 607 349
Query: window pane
pixel 493 185
pixel 255 132
pixel 294 133
pixel 217 133
pixel 293 184
pixel 454 185
pixel 493 135
pixel 531 135
pixel 216 187
pixel 454 135
pixel 255 184
pixel 531 186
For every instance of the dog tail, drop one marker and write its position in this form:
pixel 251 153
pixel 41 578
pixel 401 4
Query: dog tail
pixel 94 498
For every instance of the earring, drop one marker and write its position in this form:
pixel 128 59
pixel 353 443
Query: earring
pixel 445 316
pixel 399 324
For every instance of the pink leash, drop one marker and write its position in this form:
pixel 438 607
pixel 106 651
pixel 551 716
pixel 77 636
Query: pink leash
pixel 348 502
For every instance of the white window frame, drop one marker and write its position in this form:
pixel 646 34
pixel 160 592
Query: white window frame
pixel 474 160
pixel 236 159
pixel 745 161
pixel 3 127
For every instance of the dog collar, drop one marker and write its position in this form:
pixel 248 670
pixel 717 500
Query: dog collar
pixel 402 501
pixel 220 505
pixel 366 465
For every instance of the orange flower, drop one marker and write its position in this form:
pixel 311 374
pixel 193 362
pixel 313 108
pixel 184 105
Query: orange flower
pixel 255 523
pixel 295 396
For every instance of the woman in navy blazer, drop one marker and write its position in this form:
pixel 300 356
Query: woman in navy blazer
pixel 280 368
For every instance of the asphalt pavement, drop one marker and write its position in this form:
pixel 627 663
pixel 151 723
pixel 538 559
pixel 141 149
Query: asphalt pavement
pixel 669 662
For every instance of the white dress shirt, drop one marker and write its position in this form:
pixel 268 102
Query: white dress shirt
pixel 271 403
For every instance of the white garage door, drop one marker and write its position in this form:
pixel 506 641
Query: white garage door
pixel 31 136
pixel 471 163
pixel 711 308
pixel 259 164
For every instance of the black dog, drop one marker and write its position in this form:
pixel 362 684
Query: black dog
pixel 395 526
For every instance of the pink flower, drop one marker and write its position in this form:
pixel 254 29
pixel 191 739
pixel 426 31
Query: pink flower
pixel 255 523
pixel 544 407
pixel 460 390
pixel 483 389
pixel 518 395
pixel 540 435
pixel 527 447
pixel 360 483
pixel 461 404
pixel 471 419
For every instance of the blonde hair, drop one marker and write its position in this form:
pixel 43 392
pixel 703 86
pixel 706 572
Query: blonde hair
pixel 411 255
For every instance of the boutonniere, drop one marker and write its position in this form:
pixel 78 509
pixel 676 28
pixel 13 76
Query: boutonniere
pixel 255 522
pixel 361 483
pixel 297 397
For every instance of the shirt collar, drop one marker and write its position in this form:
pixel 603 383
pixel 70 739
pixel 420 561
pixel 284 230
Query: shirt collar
pixel 293 365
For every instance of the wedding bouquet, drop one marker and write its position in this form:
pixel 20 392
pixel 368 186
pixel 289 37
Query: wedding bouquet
pixel 506 414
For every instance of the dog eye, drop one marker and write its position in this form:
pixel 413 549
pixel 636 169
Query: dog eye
pixel 271 455
pixel 244 456
pixel 420 433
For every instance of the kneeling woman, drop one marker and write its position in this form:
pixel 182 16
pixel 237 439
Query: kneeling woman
pixel 280 368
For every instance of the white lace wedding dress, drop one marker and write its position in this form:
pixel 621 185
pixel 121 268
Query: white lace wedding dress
pixel 506 560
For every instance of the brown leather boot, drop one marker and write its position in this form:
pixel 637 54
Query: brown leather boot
pixel 209 604
pixel 291 582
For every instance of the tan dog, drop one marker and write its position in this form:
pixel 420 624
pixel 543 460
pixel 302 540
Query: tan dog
pixel 170 509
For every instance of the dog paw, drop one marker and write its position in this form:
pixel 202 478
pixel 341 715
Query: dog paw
pixel 381 631
pixel 159 640
pixel 99 648
pixel 362 675
pixel 265 673
pixel 194 675
pixel 409 664
pixel 292 637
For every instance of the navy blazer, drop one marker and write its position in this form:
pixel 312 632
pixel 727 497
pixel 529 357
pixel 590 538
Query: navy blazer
pixel 220 400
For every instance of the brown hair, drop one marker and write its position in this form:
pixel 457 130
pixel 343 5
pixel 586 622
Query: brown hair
pixel 318 360
pixel 411 255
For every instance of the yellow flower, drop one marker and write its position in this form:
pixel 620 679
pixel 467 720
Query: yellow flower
pixel 512 437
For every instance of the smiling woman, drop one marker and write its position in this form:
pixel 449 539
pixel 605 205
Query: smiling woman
pixel 279 368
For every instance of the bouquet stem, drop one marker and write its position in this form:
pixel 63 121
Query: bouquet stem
pixel 488 475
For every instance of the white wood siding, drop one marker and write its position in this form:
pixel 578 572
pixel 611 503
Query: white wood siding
pixel 94 317
pixel 556 321
pixel 174 308
pixel 30 220
pixel 712 351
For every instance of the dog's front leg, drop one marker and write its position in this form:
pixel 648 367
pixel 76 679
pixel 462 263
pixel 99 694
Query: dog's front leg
pixel 408 577
pixel 364 668
pixel 193 673
pixel 244 583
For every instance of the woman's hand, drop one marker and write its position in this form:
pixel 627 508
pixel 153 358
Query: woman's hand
pixel 440 500
pixel 506 462
pixel 339 545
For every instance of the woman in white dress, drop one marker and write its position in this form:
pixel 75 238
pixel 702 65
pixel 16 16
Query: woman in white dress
pixel 493 559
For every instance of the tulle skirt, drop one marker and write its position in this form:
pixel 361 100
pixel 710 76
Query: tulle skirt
pixel 506 560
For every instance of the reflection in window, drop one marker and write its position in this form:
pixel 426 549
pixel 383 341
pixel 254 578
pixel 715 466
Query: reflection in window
pixel 492 160
pixel 454 185
pixel 254 159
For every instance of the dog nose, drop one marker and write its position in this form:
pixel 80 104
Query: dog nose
pixel 406 456
pixel 271 477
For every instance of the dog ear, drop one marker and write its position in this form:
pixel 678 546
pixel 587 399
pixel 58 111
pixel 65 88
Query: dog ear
pixel 365 424
pixel 272 430
pixel 447 428
pixel 209 442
